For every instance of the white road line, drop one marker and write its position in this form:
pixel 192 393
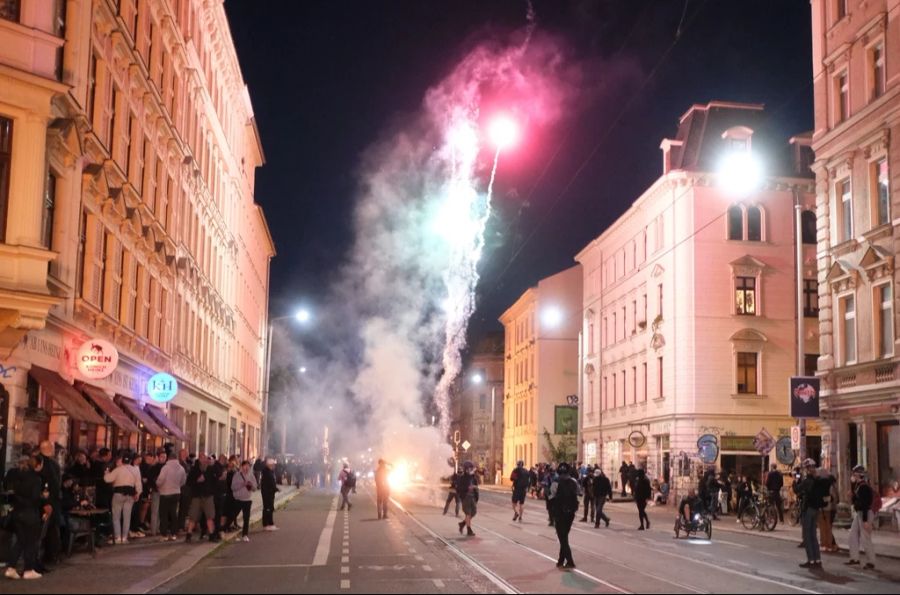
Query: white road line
pixel 345 570
pixel 483 570
pixel 252 566
pixel 426 568
pixel 438 583
pixel 345 559
pixel 324 546
pixel 345 584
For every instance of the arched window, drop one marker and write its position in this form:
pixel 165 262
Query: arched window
pixel 808 225
pixel 735 223
pixel 754 224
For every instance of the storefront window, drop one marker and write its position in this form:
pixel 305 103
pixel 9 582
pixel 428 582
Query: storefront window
pixel 888 456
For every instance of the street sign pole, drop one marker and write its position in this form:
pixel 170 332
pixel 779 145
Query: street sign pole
pixel 801 347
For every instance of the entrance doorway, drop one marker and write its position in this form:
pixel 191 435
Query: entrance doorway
pixel 751 465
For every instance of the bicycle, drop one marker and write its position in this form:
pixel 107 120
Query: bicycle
pixel 761 514
pixel 793 513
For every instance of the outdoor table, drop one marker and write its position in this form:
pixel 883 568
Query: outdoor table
pixel 89 514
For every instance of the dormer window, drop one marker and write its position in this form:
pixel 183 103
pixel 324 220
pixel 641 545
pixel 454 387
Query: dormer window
pixel 737 139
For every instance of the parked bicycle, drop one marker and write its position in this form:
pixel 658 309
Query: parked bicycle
pixel 760 513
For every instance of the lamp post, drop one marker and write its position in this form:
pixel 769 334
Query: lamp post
pixel 303 316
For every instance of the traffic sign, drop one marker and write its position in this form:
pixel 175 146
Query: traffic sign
pixel 764 442
pixel 466 446
pixel 795 437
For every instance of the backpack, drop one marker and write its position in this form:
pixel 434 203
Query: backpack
pixel 350 482
pixel 521 479
pixel 876 502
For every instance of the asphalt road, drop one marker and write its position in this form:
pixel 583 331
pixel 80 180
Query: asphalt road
pixel 418 550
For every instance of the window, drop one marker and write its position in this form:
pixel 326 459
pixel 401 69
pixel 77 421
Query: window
pixel 660 305
pixel 615 329
pixel 591 338
pixel 6 130
pixel 605 394
pixel 615 395
pixel 659 371
pixel 885 309
pixel 876 68
pixel 747 373
pixel 842 97
pixel 848 329
pixel 754 224
pixel 810 298
pixel 590 403
pixel 745 296
pixel 482 402
pixel 634 317
pixel 808 227
pixel 47 211
pixel 624 323
pixel 634 385
pixel 9 10
pixel 840 9
pixel 644 387
pixel 846 199
pixel 810 364
pixel 735 223
pixel 880 191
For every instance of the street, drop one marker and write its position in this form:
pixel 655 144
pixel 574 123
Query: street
pixel 319 550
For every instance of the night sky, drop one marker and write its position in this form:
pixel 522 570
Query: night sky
pixel 327 78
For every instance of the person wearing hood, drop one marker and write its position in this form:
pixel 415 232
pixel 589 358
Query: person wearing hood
pixel 564 494
pixel 467 488
pixel 268 487
pixel 602 493
pixel 169 483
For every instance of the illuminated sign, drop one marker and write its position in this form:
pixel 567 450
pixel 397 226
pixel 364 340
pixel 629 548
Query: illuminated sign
pixel 97 359
pixel 162 387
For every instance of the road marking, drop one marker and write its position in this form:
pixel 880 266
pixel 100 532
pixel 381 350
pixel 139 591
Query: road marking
pixel 324 546
pixel 345 570
pixel 426 568
pixel 345 584
pixel 345 559
pixel 438 583
pixel 420 558
pixel 252 566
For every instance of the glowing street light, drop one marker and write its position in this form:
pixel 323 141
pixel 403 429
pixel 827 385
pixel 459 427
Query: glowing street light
pixel 552 317
pixel 477 378
pixel 740 173
pixel 504 132
pixel 303 316
pixel 303 369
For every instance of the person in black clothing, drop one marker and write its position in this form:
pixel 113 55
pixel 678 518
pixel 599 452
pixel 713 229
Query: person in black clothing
pixel 467 488
pixel 220 493
pixel 587 487
pixel 521 480
pixel 202 481
pixel 863 517
pixel 51 475
pixel 258 467
pixel 231 505
pixel 623 475
pixel 268 487
pixel 693 504
pixel 642 493
pixel 744 495
pixel 713 487
pixel 30 508
pixel 564 505
pixel 774 483
pixel 632 477
pixel 80 470
pixel 812 494
pixel 453 494
pixel 602 489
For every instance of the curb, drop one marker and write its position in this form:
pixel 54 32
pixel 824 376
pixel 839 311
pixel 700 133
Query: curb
pixel 199 552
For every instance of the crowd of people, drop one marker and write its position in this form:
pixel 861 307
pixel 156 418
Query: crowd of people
pixel 164 494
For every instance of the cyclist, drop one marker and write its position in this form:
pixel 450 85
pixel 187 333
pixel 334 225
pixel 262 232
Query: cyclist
pixel 694 504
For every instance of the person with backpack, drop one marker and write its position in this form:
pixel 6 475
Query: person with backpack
pixel 521 480
pixel 866 506
pixel 564 494
pixel 347 479
pixel 602 489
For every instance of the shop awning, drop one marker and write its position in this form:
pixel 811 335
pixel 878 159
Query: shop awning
pixel 145 421
pixel 65 395
pixel 106 405
pixel 159 416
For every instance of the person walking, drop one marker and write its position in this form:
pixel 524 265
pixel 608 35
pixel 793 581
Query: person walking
pixel 623 475
pixel 774 483
pixel 602 489
pixel 30 509
pixel 382 489
pixel 521 480
pixel 587 489
pixel 564 494
pixel 243 484
pixel 713 489
pixel 453 494
pixel 169 483
pixel 347 479
pixel 826 535
pixel 863 518
pixel 549 478
pixel 811 504
pixel 268 487
pixel 642 493
pixel 127 485
pixel 467 488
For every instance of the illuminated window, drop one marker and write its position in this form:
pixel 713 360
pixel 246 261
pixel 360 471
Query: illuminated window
pixel 745 296
pixel 6 130
pixel 747 373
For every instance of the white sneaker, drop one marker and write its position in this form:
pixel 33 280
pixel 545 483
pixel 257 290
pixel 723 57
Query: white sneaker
pixel 245 539
pixel 30 575
pixel 271 528
pixel 12 573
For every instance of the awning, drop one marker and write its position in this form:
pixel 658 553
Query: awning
pixel 65 395
pixel 159 416
pixel 145 421
pixel 106 405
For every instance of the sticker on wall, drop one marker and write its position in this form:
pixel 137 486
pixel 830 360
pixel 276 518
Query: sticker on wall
pixel 162 387
pixel 97 359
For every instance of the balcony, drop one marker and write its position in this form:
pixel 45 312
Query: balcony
pixel 868 375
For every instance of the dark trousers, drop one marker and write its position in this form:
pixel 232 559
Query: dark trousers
pixel 168 514
pixel 642 512
pixel 28 534
pixel 624 483
pixel 550 510
pixel 382 504
pixel 588 507
pixel 714 504
pixel 563 523
pixel 268 509
pixel 599 503
pixel 810 521
pixel 50 541
pixel 184 505
pixel 450 498
pixel 219 504
pixel 775 496
pixel 345 498
pixel 244 507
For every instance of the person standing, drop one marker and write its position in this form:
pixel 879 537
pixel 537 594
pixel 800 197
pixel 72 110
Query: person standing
pixel 30 508
pixel 521 480
pixel 243 484
pixel 549 478
pixel 642 493
pixel 153 478
pixel 564 505
pixel 602 488
pixel 202 483
pixel 184 502
pixel 51 474
pixel 347 479
pixel 826 535
pixel 863 518
pixel 774 483
pixel 453 494
pixel 169 483
pixel 632 477
pixel 126 485
pixel 268 487
pixel 811 504
pixel 587 488
pixel 467 488
pixel 623 475
pixel 382 489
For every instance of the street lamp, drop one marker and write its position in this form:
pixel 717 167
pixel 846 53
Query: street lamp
pixel 303 369
pixel 477 378
pixel 552 317
pixel 303 316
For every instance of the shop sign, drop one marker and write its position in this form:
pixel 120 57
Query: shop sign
pixel 162 387
pixel 805 396
pixel 637 439
pixel 96 359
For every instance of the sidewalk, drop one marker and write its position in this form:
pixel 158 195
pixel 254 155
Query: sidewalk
pixel 139 567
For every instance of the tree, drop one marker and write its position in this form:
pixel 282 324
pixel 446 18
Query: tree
pixel 564 452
